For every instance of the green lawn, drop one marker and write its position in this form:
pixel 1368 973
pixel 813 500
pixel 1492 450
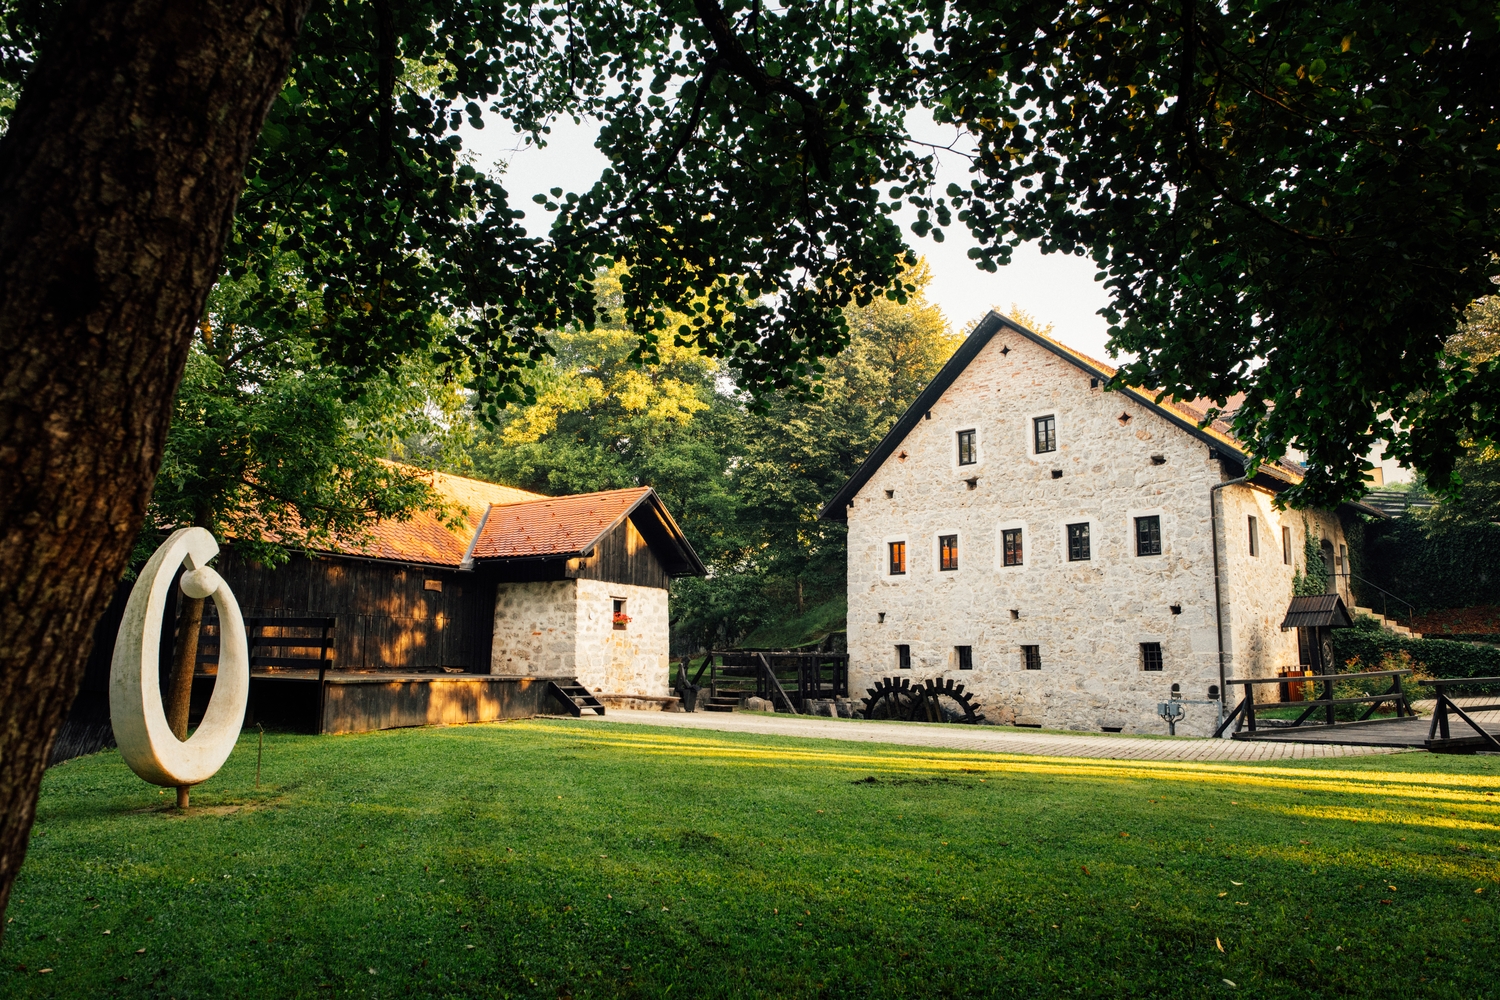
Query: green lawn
pixel 554 859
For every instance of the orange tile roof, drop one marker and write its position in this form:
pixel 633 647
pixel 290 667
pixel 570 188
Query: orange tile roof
pixel 425 538
pixel 553 525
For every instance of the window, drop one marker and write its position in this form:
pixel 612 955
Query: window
pixel 903 656
pixel 1148 535
pixel 621 619
pixel 1031 656
pixel 898 558
pixel 1150 656
pixel 1045 430
pixel 968 453
pixel 947 552
pixel 1078 542
pixel 1286 545
pixel 1010 542
pixel 1254 539
pixel 965 657
pixel 1343 562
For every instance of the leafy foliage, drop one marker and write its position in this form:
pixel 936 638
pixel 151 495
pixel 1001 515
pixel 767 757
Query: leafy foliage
pixel 276 451
pixel 1312 580
pixel 1367 646
pixel 1449 567
pixel 1295 201
pixel 745 482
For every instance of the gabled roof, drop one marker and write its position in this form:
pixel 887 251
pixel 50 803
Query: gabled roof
pixel 424 537
pixel 563 527
pixel 1188 417
pixel 1319 609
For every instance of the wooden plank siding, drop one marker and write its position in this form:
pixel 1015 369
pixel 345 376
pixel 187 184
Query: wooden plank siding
pixel 387 619
pixel 623 556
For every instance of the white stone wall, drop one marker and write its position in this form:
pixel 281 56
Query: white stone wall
pixel 535 629
pixel 632 660
pixel 565 628
pixel 1087 618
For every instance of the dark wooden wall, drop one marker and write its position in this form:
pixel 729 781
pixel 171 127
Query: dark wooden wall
pixel 387 620
pixel 623 557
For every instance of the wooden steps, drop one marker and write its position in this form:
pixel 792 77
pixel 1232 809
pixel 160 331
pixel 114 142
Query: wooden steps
pixel 721 703
pixel 574 697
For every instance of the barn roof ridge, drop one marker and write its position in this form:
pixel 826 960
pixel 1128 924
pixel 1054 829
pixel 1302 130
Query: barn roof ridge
pixel 1184 416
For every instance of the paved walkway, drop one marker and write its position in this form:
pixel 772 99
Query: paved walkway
pixel 989 738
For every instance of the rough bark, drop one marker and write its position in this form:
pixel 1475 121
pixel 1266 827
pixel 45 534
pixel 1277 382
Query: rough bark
pixel 118 180
pixel 184 665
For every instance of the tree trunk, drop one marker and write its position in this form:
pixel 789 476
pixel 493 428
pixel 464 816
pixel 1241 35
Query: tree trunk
pixel 118 180
pixel 184 665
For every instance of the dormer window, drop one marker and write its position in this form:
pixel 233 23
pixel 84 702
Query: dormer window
pixel 1044 430
pixel 968 450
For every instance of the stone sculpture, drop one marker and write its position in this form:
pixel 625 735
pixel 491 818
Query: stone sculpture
pixel 136 712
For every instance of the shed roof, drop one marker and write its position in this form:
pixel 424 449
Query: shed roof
pixel 562 527
pixel 1189 417
pixel 1317 610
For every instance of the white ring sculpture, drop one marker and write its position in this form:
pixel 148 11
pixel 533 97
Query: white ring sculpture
pixel 140 722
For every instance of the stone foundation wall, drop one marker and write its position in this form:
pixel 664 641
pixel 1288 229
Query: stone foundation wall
pixel 535 629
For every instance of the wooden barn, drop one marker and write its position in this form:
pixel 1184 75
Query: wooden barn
pixel 515 604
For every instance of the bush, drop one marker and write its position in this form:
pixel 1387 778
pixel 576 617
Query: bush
pixel 1367 646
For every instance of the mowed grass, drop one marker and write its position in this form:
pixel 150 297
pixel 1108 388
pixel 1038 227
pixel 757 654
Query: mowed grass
pixel 556 859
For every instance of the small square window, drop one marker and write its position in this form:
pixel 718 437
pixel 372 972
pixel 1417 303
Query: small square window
pixel 898 558
pixel 1148 535
pixel 1045 431
pixel 621 619
pixel 1031 656
pixel 1286 545
pixel 1150 656
pixel 1254 537
pixel 947 552
pixel 968 452
pixel 965 657
pixel 903 656
pixel 1010 541
pixel 1078 542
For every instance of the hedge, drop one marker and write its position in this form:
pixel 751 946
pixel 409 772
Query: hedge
pixel 1367 646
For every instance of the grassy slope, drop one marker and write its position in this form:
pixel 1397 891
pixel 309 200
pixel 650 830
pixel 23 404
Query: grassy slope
pixel 597 860
pixel 801 630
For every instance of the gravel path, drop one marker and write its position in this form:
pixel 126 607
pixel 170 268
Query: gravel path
pixel 993 739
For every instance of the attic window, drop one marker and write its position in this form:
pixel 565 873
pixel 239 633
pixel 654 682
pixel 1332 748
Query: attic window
pixel 1093 383
pixel 1044 430
pixel 1124 419
pixel 968 452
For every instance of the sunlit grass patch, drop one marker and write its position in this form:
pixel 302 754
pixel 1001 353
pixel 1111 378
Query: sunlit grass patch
pixel 588 859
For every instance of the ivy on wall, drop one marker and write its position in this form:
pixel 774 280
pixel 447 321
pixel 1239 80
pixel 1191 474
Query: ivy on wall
pixel 1456 567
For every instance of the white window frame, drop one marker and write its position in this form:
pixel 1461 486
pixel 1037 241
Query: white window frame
pixel 1166 548
pixel 1028 540
pixel 884 554
pixel 1095 535
pixel 937 553
pixel 1029 429
pixel 966 471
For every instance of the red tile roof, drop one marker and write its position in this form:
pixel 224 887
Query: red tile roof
pixel 553 525
pixel 425 538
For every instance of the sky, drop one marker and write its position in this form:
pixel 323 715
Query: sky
pixel 1053 288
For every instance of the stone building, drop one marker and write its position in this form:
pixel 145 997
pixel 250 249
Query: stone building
pixel 1067 553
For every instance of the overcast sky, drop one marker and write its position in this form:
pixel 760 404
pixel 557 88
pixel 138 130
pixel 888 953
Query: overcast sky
pixel 1053 288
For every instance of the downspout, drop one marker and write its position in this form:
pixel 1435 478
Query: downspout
pixel 1213 527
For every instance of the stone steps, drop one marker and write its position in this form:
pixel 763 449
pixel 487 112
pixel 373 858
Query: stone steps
pixel 1389 624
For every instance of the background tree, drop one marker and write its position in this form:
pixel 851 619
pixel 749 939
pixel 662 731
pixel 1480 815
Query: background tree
pixel 1294 201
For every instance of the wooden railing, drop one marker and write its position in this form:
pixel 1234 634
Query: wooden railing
pixel 1438 735
pixel 1245 710
pixel 788 679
